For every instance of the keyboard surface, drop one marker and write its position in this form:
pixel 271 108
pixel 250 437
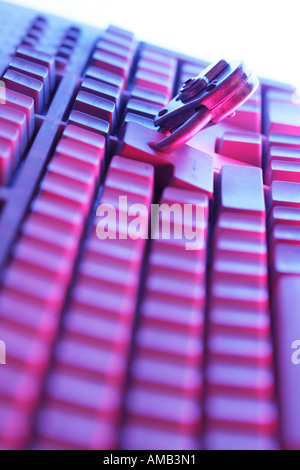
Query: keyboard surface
pixel 141 343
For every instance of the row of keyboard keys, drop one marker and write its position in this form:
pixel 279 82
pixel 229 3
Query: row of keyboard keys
pixel 153 83
pixel 100 94
pixel 31 73
pixel 42 264
pixel 98 323
pixel 239 378
pixel 165 384
pixel 114 53
pixel 17 123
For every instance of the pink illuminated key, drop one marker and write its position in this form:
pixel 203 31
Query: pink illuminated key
pixel 242 146
pixel 104 90
pixel 83 395
pixel 242 414
pixel 284 193
pixel 22 103
pixel 90 139
pixel 14 430
pixel 159 58
pixel 242 379
pixel 26 85
pixel 286 258
pixel 81 324
pixel 145 94
pixel 282 153
pixel 41 58
pixel 114 50
pixel 17 117
pixel 283 171
pixel 165 376
pixel 154 82
pixel 143 108
pixel 49 257
pixel 10 134
pixel 240 321
pixel 24 348
pixel 62 428
pixel 110 63
pixel 228 439
pixel 78 151
pixel 93 361
pixel 69 193
pixel 35 70
pixel 125 43
pixel 104 76
pixel 166 410
pixel 135 435
pixel 247 191
pixel 22 389
pixel 162 70
pixel 96 106
pixel 281 115
pixel 90 123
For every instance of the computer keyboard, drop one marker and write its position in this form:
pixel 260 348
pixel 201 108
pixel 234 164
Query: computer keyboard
pixel 141 343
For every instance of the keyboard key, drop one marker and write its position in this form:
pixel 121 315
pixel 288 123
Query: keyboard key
pixel 286 259
pixel 41 58
pixel 10 134
pixel 228 440
pixel 110 63
pixel 244 147
pixel 282 115
pixel 164 411
pixel 284 193
pixel 114 50
pixel 17 117
pixel 154 82
pixel 242 414
pixel 148 95
pixel 104 90
pixel 96 106
pixel 34 70
pixel 25 104
pixel 90 123
pixel 143 108
pixel 103 76
pixel 60 427
pixel 241 188
pixel 135 435
pixel 26 85
pixel 283 171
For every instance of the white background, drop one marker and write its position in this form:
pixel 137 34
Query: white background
pixel 263 33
